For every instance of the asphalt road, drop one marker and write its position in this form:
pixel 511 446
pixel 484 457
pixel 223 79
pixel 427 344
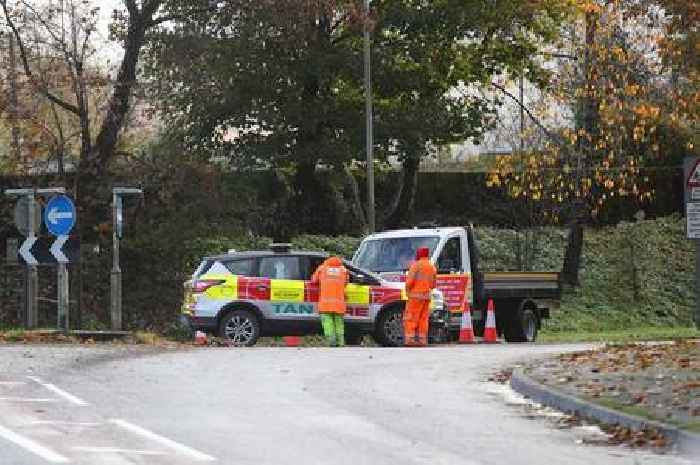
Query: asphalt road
pixel 282 406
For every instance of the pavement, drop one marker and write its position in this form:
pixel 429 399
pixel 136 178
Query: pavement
pixel 115 406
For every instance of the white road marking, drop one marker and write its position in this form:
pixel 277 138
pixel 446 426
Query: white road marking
pixel 116 450
pixel 26 399
pixel 180 448
pixel 66 423
pixel 32 446
pixel 60 392
pixel 12 383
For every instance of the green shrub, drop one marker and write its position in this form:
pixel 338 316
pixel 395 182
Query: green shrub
pixel 343 246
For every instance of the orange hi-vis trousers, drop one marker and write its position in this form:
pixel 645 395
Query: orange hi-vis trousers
pixel 415 318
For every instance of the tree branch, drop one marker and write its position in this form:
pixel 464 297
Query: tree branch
pixel 59 42
pixel 175 16
pixel 165 19
pixel 27 69
pixel 534 119
pixel 560 55
pixel 84 47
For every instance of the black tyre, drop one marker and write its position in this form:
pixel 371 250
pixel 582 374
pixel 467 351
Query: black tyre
pixel 479 328
pixel 389 329
pixel 522 326
pixel 438 334
pixel 240 328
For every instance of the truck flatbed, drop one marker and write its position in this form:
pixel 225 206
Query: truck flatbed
pixel 534 285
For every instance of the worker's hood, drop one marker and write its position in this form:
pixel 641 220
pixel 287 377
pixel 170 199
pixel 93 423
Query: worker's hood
pixel 333 261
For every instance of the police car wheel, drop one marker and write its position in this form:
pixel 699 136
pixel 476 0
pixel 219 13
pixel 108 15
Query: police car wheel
pixel 240 327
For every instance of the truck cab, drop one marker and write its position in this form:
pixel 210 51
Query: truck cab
pixel 522 299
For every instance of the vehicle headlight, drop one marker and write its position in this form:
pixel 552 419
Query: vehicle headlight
pixel 437 300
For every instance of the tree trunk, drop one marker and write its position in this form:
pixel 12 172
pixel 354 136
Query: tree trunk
pixel 90 185
pixel 585 147
pixel 356 200
pixel 118 107
pixel 402 207
pixel 572 256
pixel 307 201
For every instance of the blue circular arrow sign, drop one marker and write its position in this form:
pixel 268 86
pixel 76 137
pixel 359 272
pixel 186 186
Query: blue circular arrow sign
pixel 59 215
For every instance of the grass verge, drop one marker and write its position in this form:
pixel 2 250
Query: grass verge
pixel 651 333
pixel 692 426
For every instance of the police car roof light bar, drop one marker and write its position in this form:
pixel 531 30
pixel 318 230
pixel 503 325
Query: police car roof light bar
pixel 281 248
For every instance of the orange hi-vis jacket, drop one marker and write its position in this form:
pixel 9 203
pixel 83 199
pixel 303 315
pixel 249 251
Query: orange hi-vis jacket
pixel 421 279
pixel 331 277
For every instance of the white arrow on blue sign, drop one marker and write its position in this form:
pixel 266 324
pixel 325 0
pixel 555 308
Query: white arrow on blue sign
pixel 59 215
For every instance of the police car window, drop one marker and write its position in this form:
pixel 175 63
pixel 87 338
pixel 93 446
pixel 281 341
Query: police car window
pixel 451 256
pixel 217 268
pixel 283 267
pixel 241 267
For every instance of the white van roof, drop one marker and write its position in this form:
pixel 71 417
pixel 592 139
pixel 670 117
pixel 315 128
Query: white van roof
pixel 416 232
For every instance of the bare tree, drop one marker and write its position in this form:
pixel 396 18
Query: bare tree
pixel 66 29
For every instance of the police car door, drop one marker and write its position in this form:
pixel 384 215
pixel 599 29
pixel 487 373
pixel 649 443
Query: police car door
pixel 287 288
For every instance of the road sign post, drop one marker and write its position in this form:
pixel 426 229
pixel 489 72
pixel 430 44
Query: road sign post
pixel 118 194
pixel 26 222
pixel 27 219
pixel 60 217
pixel 32 300
pixel 691 173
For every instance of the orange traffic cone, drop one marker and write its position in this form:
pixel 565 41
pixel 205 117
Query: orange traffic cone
pixel 200 338
pixel 292 341
pixel 490 329
pixel 466 332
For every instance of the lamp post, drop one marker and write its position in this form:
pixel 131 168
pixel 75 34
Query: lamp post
pixel 369 135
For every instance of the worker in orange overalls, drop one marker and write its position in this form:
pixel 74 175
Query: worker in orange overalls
pixel 331 278
pixel 419 282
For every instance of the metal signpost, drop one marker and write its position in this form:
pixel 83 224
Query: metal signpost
pixel 116 277
pixel 59 217
pixel 29 224
pixel 691 173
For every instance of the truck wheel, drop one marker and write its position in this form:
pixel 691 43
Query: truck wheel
pixel 522 327
pixel 389 330
pixel 478 328
pixel 240 327
pixel 438 335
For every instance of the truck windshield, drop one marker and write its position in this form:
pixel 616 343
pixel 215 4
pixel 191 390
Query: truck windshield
pixel 391 254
